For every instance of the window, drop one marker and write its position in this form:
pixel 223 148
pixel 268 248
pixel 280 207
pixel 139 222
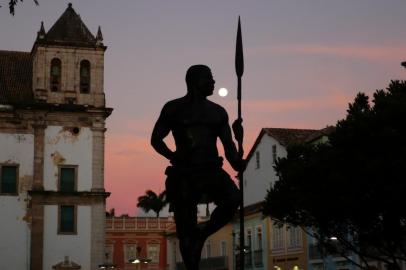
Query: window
pixel 257 160
pixel 85 76
pixel 68 178
pixel 130 252
pixel 153 253
pixel 259 238
pixel 248 241
pixel 274 154
pixel 277 236
pixel 223 248
pixel 67 219
pixel 208 249
pixel 56 71
pixel 8 179
pixel 295 237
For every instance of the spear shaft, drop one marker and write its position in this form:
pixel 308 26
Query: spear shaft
pixel 239 69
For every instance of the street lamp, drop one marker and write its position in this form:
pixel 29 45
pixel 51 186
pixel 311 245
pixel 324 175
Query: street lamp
pixel 139 261
pixel 107 265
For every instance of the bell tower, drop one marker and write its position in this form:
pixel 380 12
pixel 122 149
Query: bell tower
pixel 68 63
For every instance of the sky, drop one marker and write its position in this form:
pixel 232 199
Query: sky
pixel 305 60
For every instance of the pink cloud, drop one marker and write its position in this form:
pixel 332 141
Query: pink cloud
pixel 370 53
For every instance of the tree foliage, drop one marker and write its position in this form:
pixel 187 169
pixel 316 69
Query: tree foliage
pixel 13 3
pixel 354 186
pixel 152 201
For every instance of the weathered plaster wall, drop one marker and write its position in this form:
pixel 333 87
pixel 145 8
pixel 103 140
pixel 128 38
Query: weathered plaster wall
pixel 14 226
pixel 77 247
pixel 62 147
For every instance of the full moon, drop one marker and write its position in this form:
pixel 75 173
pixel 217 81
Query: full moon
pixel 223 92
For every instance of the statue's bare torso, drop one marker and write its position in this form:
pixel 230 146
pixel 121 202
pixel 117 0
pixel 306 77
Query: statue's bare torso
pixel 195 127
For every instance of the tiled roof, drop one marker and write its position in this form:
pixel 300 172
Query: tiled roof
pixel 284 136
pixel 15 77
pixel 287 136
pixel 69 30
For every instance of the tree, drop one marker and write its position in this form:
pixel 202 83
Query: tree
pixel 353 187
pixel 152 201
pixel 13 3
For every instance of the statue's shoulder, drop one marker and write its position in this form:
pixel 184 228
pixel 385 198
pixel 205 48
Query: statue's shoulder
pixel 173 105
pixel 216 107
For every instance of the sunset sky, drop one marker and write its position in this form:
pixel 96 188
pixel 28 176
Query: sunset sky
pixel 305 60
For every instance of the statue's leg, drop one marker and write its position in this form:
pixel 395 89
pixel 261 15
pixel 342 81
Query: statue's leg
pixel 226 196
pixel 185 219
pixel 185 214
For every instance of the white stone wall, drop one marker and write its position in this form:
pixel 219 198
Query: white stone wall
pixel 258 181
pixel 77 247
pixel 14 230
pixel 70 80
pixel 62 147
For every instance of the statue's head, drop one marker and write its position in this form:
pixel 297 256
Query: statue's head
pixel 199 78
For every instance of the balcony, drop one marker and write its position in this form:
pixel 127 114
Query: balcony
pixel 258 258
pixel 314 252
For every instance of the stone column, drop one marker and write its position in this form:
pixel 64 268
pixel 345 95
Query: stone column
pixel 37 209
pixel 98 237
pixel 98 159
pixel 39 144
pixel 37 235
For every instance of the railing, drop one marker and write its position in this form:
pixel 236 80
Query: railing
pixel 258 259
pixel 212 263
pixel 137 223
pixel 248 260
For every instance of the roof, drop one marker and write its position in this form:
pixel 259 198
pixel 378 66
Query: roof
pixel 69 30
pixel 15 77
pixel 285 136
pixel 320 133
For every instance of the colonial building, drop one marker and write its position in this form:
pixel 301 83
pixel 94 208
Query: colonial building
pixel 268 245
pixel 52 126
pixel 137 242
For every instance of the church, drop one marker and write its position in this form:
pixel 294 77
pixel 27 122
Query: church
pixel 52 131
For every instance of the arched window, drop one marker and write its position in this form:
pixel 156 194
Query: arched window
pixel 84 76
pixel 56 72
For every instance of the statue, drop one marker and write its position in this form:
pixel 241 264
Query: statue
pixel 196 173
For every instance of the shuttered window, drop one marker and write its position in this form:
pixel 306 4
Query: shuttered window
pixel 8 179
pixel 67 178
pixel 67 219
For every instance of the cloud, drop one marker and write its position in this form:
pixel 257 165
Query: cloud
pixel 382 53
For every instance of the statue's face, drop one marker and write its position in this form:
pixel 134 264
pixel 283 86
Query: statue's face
pixel 205 84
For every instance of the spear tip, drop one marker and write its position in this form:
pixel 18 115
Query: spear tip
pixel 239 56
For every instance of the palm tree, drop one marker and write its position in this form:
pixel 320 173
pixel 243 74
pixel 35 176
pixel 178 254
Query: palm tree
pixel 152 201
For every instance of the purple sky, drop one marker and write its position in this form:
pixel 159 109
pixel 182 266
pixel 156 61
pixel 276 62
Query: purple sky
pixel 304 61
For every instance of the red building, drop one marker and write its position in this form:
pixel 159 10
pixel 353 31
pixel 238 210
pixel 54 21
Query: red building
pixel 137 239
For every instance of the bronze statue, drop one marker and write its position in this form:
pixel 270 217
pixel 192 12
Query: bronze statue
pixel 196 173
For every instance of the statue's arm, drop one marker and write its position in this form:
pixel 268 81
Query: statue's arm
pixel 160 131
pixel 230 148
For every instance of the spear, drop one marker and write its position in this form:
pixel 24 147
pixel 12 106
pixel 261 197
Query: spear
pixel 239 70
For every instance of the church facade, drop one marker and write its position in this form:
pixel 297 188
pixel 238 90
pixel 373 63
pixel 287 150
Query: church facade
pixel 52 130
